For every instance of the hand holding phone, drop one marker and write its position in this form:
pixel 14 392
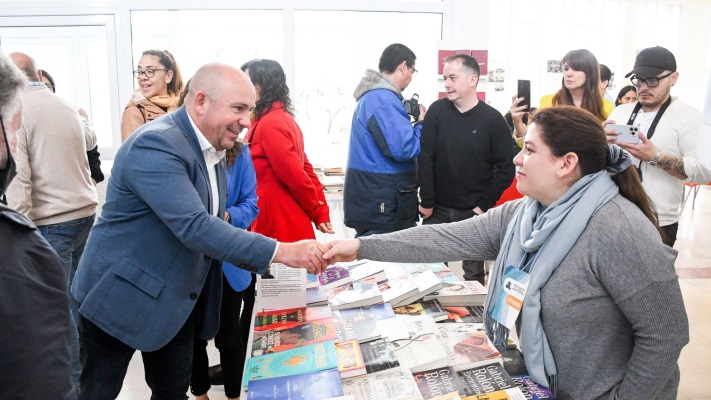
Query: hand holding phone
pixel 524 90
pixel 625 133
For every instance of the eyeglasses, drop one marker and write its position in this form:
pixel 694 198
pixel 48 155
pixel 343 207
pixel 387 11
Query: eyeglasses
pixel 414 71
pixel 651 82
pixel 149 73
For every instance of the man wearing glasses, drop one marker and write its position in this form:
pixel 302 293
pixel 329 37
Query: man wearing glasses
pixel 380 190
pixel 669 128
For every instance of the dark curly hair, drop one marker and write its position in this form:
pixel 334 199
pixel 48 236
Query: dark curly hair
pixel 270 79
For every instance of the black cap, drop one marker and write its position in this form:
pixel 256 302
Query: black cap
pixel 653 61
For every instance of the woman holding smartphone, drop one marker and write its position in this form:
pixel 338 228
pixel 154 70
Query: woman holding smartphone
pixel 580 87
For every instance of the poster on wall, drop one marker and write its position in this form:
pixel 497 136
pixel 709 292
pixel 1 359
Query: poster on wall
pixel 442 57
pixel 553 67
pixel 482 57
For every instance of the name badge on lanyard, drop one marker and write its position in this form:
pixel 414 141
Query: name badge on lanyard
pixel 510 300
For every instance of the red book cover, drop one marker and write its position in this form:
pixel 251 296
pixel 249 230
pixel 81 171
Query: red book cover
pixel 482 57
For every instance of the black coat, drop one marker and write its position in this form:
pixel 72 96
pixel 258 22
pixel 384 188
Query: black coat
pixel 34 310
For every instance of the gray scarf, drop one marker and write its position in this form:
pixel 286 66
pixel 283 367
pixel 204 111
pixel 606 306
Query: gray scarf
pixel 551 233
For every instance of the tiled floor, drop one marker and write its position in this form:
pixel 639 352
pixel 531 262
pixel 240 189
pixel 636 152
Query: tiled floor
pixel 694 269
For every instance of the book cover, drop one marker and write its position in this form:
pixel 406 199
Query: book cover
pixel 448 396
pixel 363 328
pixel 505 394
pixel 314 386
pixel 285 289
pixel 514 363
pixel 350 359
pixel 466 314
pixel 378 356
pixel 430 308
pixel 484 379
pixel 301 360
pixel 530 389
pixel 396 384
pixel 461 293
pixel 367 269
pixel 316 296
pixel 376 311
pixel 467 346
pixel 416 343
pixel 298 335
pixel 289 317
pixel 394 290
pixel 312 280
pixel 335 275
pixel 354 294
pixel 437 382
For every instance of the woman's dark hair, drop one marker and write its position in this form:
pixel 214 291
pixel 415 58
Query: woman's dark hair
pixel 46 74
pixel 569 129
pixel 623 93
pixel 394 55
pixel 583 60
pixel 230 154
pixel 166 59
pixel 270 79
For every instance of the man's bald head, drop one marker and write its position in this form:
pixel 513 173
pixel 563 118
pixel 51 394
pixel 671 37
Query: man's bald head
pixel 219 101
pixel 26 64
pixel 215 78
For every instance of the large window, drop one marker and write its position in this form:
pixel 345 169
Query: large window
pixel 77 58
pixel 196 37
pixel 332 50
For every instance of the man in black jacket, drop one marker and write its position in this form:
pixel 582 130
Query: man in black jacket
pixel 34 342
pixel 466 158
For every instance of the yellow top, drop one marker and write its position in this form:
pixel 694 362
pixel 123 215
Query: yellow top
pixel 547 101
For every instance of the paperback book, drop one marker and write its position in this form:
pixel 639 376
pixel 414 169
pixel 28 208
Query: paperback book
pixel 466 314
pixel 376 311
pixel 354 294
pixel 350 359
pixel 467 346
pixel 395 384
pixel 298 335
pixel 427 283
pixel 335 275
pixel 462 293
pixel 378 355
pixel 301 360
pixel 485 379
pixel 530 389
pixel 314 386
pixel 316 296
pixel 396 289
pixel 362 328
pixel 431 308
pixel 286 286
pixel 289 317
pixel 416 343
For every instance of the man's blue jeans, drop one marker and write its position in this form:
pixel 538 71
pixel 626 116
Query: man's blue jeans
pixel 68 240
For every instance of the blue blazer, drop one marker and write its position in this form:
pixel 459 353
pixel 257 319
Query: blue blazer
pixel 153 250
pixel 242 206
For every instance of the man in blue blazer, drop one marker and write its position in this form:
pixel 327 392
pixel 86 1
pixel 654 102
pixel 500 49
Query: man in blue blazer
pixel 150 278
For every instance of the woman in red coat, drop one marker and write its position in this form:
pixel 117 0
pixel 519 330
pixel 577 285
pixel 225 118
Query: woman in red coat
pixel 290 195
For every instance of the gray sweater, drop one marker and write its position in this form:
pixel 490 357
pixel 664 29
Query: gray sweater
pixel 612 311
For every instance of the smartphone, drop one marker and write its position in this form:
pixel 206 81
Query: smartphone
pixel 524 90
pixel 625 133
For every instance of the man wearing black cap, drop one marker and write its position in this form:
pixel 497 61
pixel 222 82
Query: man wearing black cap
pixel 669 128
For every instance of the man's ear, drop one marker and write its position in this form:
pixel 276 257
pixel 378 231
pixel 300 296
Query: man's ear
pixel 201 102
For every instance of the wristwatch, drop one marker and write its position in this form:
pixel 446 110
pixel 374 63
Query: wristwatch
pixel 653 162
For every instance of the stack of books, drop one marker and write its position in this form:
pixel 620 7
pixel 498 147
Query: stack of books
pixel 383 331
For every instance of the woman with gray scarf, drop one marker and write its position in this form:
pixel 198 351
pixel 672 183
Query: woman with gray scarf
pixel 602 315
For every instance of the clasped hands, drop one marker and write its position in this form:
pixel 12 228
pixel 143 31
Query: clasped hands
pixel 315 256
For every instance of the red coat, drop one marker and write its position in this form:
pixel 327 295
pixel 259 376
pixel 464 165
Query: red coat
pixel 290 194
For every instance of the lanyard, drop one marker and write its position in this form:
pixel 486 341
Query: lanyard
pixel 527 266
pixel 652 127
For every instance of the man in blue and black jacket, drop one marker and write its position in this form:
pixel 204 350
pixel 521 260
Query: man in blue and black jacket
pixel 380 191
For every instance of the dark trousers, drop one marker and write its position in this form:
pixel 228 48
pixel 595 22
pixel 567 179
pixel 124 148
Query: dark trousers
pixel 670 234
pixel 230 344
pixel 105 360
pixel 245 320
pixel 368 232
pixel 473 269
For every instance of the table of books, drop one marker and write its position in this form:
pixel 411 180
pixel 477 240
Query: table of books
pixel 373 330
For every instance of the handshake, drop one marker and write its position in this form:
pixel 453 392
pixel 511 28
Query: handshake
pixel 315 256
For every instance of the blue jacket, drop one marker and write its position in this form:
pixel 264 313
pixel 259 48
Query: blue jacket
pixel 242 206
pixel 380 190
pixel 155 247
